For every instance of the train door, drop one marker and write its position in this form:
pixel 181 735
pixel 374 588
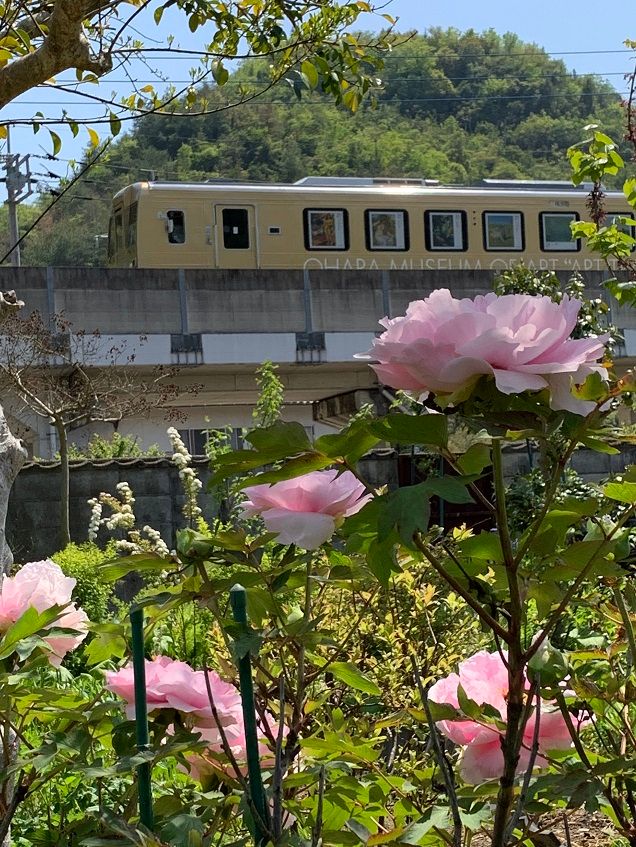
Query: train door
pixel 236 243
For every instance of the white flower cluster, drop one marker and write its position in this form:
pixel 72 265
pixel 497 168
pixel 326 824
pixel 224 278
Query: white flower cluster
pixel 122 515
pixel 95 519
pixel 191 483
pixel 136 543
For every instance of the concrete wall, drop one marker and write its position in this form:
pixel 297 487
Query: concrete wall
pixel 33 516
pixel 130 301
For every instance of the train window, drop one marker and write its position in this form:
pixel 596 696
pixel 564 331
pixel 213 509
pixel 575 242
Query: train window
pixel 131 237
pixel 236 229
pixel 445 230
pixel 175 219
pixel 503 231
pixel 326 229
pixel 119 229
pixel 387 229
pixel 555 232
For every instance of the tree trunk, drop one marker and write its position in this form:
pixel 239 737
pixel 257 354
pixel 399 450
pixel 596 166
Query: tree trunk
pixel 65 484
pixel 12 457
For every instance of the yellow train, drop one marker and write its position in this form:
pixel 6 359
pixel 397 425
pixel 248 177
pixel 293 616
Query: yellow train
pixel 351 223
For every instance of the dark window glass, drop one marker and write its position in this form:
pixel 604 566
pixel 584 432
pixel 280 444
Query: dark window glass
pixel 131 240
pixel 119 230
pixel 176 227
pixel 236 229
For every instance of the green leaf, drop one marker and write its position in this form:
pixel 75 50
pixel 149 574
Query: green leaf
pixel 25 628
pixel 310 73
pixel 451 488
pixel 220 73
pixel 351 443
pixel 407 510
pixel 294 467
pixel 475 459
pixel 486 547
pixel 57 142
pixel 412 429
pixel 115 123
pixel 183 831
pixel 288 437
pixel 624 492
pixel 469 707
pixel 108 642
pixel 140 562
pixel 348 673
pixel 443 711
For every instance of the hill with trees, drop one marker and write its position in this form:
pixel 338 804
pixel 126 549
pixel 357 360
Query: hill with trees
pixel 457 107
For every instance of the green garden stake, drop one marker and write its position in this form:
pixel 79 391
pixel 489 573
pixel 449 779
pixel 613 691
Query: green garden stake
pixel 255 778
pixel 141 717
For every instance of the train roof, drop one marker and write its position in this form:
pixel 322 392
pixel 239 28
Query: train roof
pixel 371 185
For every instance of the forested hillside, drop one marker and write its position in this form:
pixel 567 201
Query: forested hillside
pixel 456 107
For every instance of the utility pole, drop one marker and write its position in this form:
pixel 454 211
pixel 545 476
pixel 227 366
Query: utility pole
pixel 18 189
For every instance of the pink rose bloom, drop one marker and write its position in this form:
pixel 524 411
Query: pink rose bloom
pixel 484 678
pixel 42 585
pixel 307 509
pixel 443 345
pixel 172 684
pixel 214 758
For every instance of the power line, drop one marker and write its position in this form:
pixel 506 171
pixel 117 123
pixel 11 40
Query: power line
pixel 55 200
pixel 386 101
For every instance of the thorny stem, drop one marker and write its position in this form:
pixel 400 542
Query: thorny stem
pixel 534 751
pixel 551 490
pixel 516 718
pixel 444 765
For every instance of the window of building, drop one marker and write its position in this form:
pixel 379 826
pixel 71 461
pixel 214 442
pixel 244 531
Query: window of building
pixel 195 440
pixel 131 238
pixel 445 230
pixel 387 229
pixel 236 229
pixel 326 229
pixel 555 231
pixel 176 226
pixel 503 231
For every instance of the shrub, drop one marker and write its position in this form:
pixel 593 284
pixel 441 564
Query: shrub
pixel 81 561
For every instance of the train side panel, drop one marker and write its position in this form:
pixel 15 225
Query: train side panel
pixel 280 227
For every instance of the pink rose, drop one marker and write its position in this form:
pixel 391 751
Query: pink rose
pixel 171 684
pixel 307 509
pixel 175 685
pixel 443 345
pixel 214 760
pixel 42 585
pixel 484 678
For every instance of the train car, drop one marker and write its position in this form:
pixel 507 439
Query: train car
pixel 351 223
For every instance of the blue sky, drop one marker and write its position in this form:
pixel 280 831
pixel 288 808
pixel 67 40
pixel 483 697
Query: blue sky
pixel 568 31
